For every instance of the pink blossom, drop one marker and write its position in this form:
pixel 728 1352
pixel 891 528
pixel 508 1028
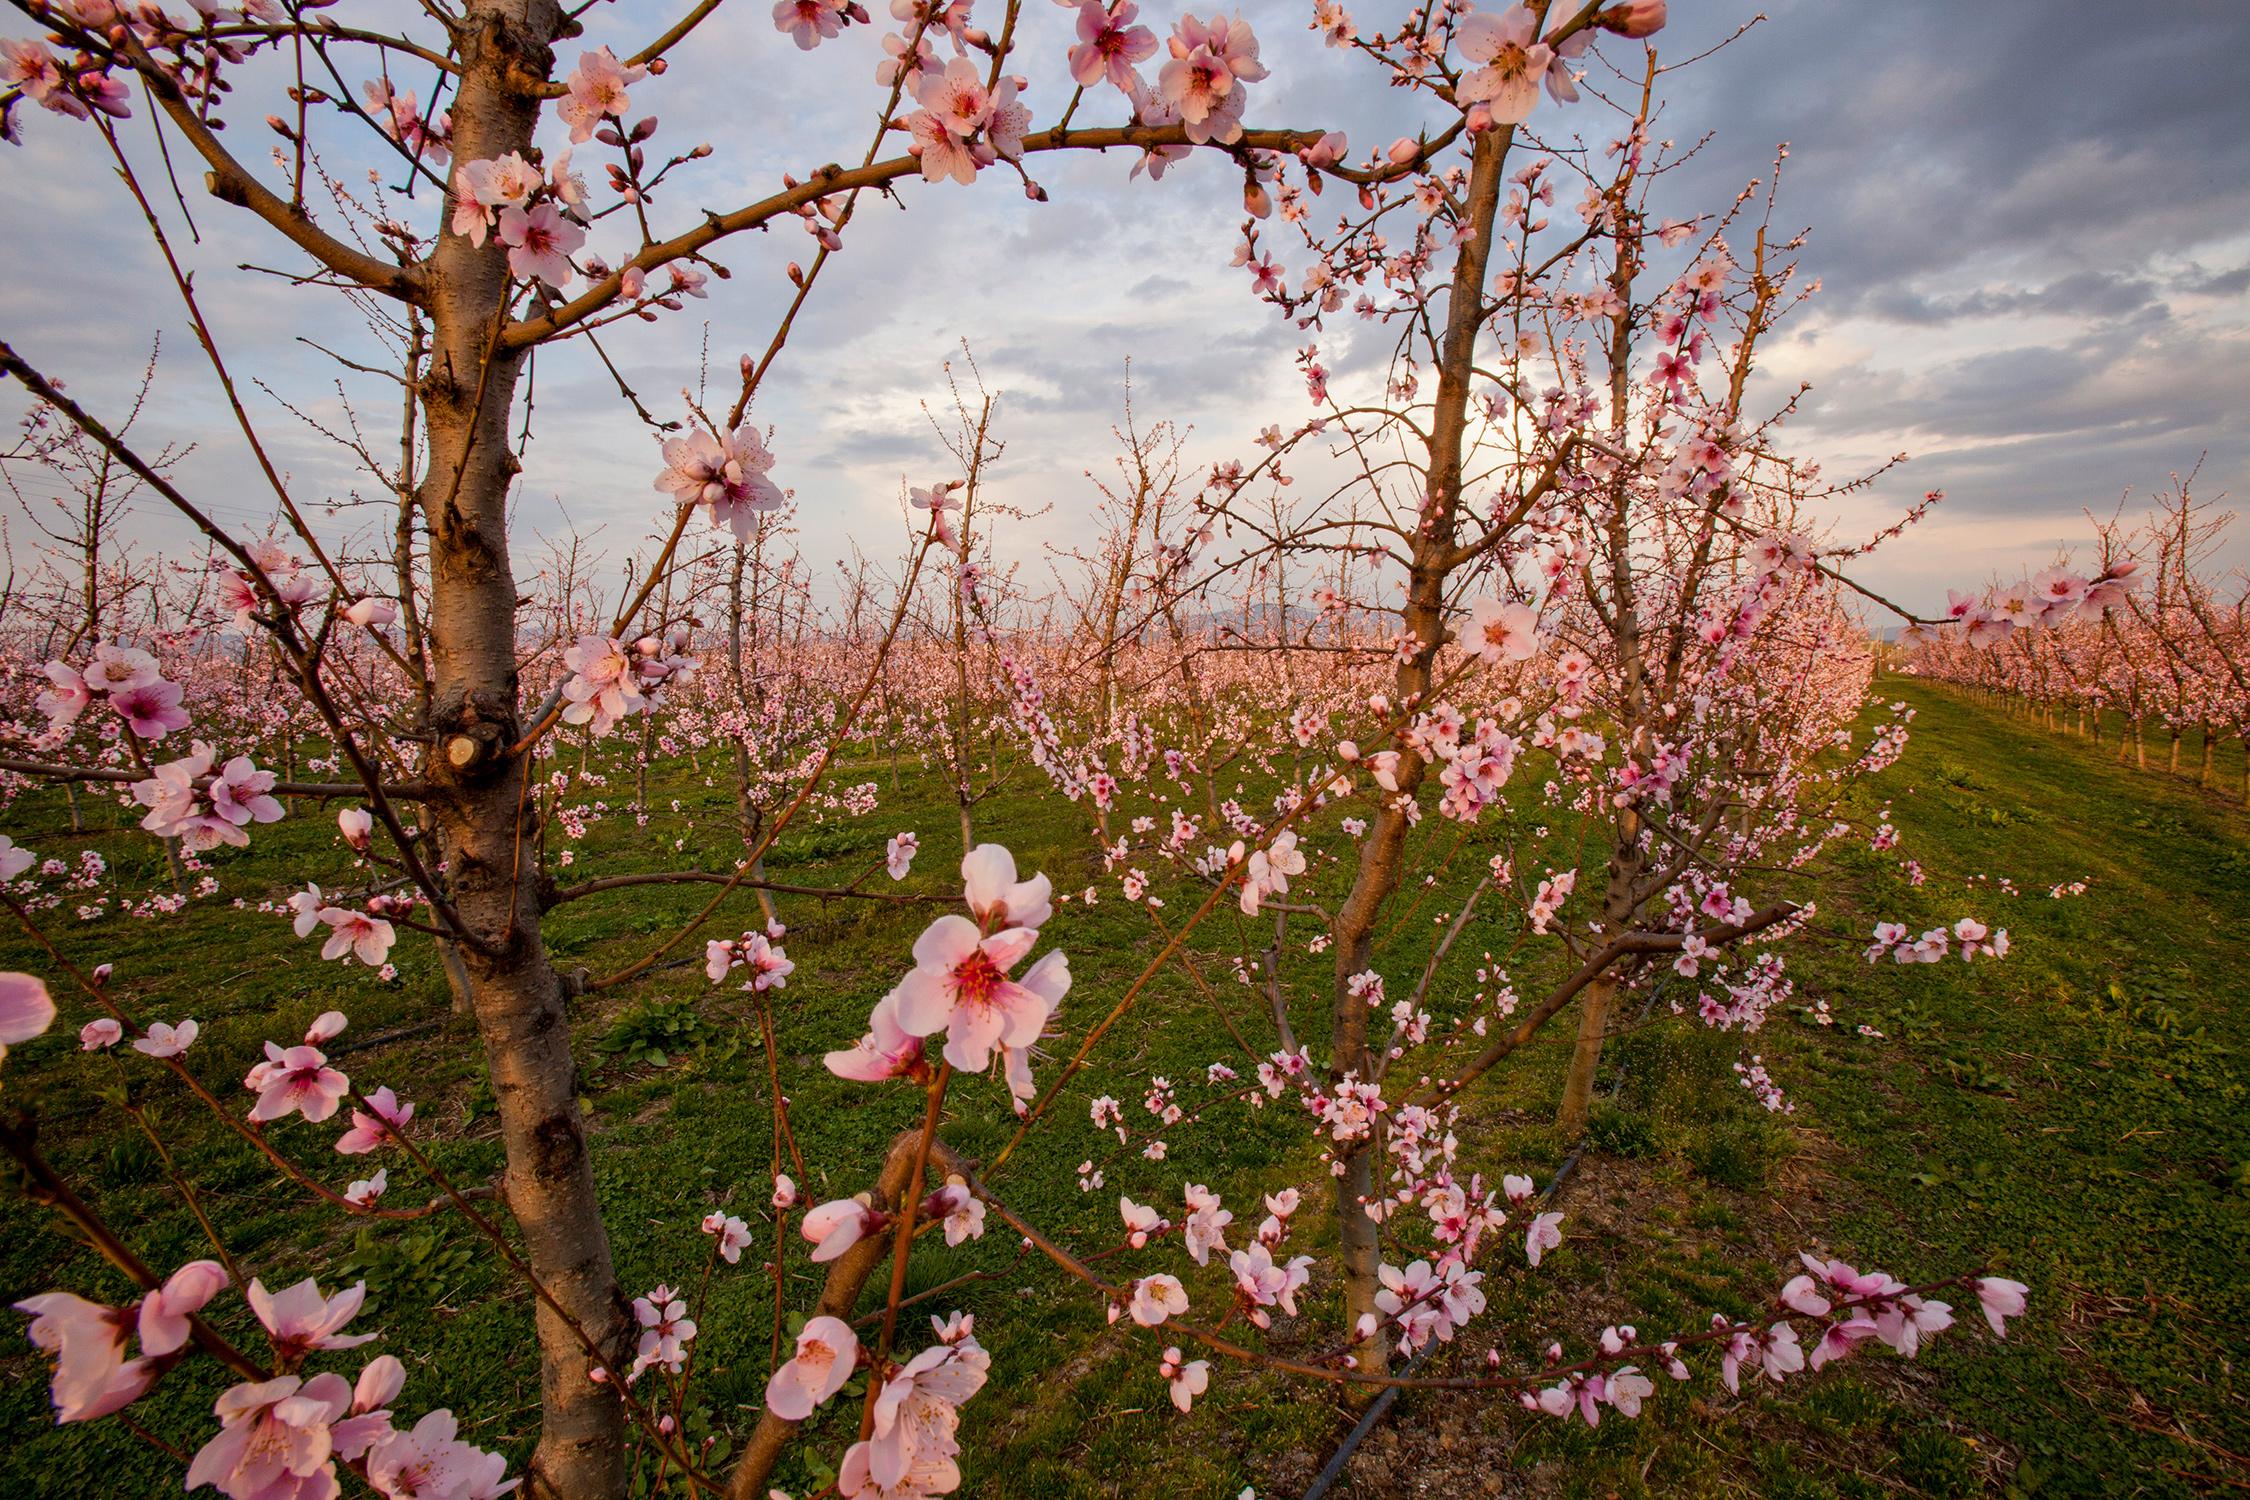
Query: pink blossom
pixel 295 1081
pixel 957 97
pixel 98 1034
pixel 379 1383
pixel 898 854
pixel 92 1375
pixel 931 1474
pixel 1007 120
pixel 727 475
pixel 299 1319
pixel 307 904
pixel 1205 1230
pixel 164 1312
pixel 357 825
pixel 603 686
pixel 960 986
pixel 960 1210
pixel 1156 1298
pixel 1151 108
pixel 596 91
pixel 1627 1388
pixel 176 807
pixel 827 1350
pixel 1141 1221
pixel 1110 46
pixel 1227 40
pixel 1268 870
pixel 2000 1299
pixel 1187 1379
pixel 118 669
pixel 67 698
pixel 540 241
pixel 995 897
pixel 941 153
pixel 1632 18
pixel 1544 1234
pixel 274 1439
pixel 367 938
pixel 917 1413
pixel 1802 1296
pixel 769 965
pixel 1902 1323
pixel 733 1235
pixel 424 1461
pixel 370 612
pixel 26 1010
pixel 666 1330
pixel 836 1226
pixel 239 793
pixel 808 22
pixel 887 1051
pixel 1197 84
pixel 899 68
pixel 151 711
pixel 480 187
pixel 370 1132
pixel 1049 981
pixel 1508 83
pixel 31 67
pixel 569 188
pixel 1503 632
pixel 164 1040
pixel 1780 1354
pixel 1260 1283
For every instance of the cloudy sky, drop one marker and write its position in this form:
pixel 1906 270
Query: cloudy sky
pixel 2030 220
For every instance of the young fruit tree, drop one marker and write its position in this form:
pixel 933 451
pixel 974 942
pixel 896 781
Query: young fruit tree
pixel 1528 617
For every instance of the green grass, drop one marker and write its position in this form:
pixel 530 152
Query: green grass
pixel 2071 1117
pixel 2079 1109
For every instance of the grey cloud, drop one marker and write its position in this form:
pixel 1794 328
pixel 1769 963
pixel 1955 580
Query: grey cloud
pixel 2028 218
pixel 1938 144
pixel 2088 294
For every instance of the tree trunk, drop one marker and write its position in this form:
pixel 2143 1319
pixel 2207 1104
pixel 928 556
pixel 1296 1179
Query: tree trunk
pixel 1585 1056
pixel 480 807
pixel 1381 858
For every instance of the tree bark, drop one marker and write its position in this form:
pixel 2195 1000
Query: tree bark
pixel 1381 860
pixel 1586 1056
pixel 480 807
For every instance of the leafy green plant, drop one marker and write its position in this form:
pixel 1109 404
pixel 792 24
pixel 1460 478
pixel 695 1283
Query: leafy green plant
pixel 1937 1463
pixel 654 1032
pixel 1978 1073
pixel 418 1262
pixel 1621 1132
pixel 1738 1154
pixel 479 1101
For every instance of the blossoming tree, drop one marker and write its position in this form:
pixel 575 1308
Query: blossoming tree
pixel 1578 547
